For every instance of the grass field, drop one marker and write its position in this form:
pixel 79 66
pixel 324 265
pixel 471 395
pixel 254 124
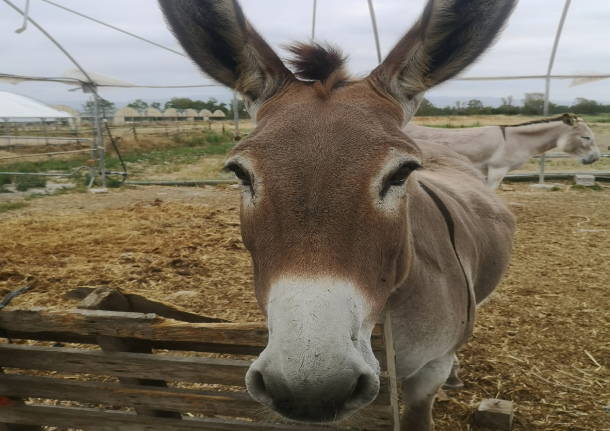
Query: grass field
pixel 193 152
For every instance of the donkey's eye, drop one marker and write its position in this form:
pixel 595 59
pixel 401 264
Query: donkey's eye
pixel 587 138
pixel 241 174
pixel 399 176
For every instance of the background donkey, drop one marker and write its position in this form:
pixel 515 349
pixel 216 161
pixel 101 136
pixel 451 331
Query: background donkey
pixel 497 150
pixel 346 217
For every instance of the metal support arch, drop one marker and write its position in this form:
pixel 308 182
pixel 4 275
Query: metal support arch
pixel 547 80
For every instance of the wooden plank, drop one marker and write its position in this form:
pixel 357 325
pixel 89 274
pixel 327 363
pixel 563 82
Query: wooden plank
pixel 12 402
pixel 110 299
pixel 102 297
pixel 132 325
pixel 67 337
pixel 140 326
pixel 138 365
pixel 231 404
pixel 100 420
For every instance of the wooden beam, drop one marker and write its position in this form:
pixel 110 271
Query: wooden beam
pixel 132 325
pixel 193 346
pixel 122 364
pixel 140 304
pixel 113 300
pixel 140 326
pixel 100 420
pixel 147 398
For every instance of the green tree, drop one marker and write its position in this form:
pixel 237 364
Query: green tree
pixel 138 105
pixel 533 104
pixel 106 107
pixel 586 106
pixel 426 109
pixel 156 105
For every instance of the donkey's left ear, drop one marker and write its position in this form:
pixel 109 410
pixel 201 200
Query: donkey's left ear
pixel 449 36
pixel 217 36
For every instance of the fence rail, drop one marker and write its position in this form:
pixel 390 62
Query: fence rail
pixel 161 391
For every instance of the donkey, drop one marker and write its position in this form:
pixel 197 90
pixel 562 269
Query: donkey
pixel 496 150
pixel 345 217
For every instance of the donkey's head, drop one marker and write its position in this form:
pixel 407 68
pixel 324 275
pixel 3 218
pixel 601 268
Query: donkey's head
pixel 325 188
pixel 578 140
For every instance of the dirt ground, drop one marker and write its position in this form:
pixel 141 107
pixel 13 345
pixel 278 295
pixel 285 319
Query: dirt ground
pixel 542 341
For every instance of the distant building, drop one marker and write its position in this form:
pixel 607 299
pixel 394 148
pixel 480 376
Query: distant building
pixel 129 115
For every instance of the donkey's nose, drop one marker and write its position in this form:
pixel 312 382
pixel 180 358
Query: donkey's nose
pixel 314 399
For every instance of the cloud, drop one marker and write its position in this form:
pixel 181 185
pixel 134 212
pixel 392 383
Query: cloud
pixel 523 48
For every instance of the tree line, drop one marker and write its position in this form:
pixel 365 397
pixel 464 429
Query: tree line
pixel 533 104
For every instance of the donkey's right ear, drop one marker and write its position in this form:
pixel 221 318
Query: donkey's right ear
pixel 217 36
pixel 448 37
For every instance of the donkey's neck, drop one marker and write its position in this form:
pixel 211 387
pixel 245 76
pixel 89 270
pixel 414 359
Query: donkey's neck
pixel 537 138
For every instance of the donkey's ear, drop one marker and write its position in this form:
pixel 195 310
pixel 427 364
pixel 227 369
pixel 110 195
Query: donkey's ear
pixel 448 36
pixel 217 36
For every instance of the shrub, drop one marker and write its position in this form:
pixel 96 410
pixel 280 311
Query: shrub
pixel 26 182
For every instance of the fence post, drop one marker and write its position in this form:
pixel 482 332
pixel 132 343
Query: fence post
pixel 113 300
pixel 99 138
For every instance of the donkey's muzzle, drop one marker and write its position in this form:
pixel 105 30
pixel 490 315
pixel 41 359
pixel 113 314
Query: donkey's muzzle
pixel 314 400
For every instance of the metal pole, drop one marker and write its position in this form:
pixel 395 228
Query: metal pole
pixel 236 114
pixel 99 139
pixel 547 82
pixel 313 20
pixel 375 31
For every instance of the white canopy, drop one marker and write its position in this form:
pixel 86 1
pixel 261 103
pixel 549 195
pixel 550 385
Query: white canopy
pixel 15 106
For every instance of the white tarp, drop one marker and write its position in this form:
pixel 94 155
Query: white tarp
pixel 15 106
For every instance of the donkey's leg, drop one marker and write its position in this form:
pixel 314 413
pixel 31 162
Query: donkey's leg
pixel 454 382
pixel 495 177
pixel 419 392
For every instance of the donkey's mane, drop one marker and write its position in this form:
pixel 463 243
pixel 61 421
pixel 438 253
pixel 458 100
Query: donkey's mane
pixel 568 118
pixel 315 62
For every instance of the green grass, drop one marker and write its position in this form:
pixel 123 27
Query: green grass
pixel 9 206
pixel 5 179
pixel 455 126
pixel 595 188
pixel 599 118
pixel 188 149
pixel 26 182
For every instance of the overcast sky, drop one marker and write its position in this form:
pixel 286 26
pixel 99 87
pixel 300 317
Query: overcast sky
pixel 523 48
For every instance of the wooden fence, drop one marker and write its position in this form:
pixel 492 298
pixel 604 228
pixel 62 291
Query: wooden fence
pixel 122 362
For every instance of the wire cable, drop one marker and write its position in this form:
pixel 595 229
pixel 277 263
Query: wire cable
pixel 143 39
pixel 52 39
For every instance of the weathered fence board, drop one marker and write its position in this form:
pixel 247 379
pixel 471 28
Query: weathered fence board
pixel 99 420
pixel 142 374
pixel 233 404
pixel 120 364
pixel 140 326
pixel 210 403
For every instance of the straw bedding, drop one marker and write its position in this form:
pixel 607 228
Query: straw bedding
pixel 542 341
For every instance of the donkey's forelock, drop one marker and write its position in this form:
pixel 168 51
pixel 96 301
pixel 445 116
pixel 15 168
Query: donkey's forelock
pixel 316 62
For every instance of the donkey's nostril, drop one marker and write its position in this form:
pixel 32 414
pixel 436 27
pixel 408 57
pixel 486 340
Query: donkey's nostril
pixel 365 391
pixel 257 388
